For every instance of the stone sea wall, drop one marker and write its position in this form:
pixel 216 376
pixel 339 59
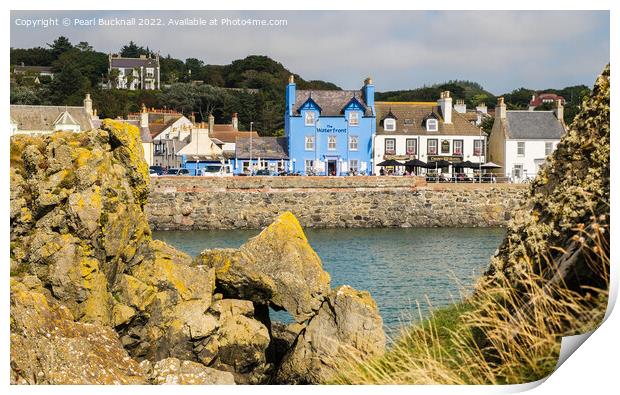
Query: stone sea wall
pixel 186 203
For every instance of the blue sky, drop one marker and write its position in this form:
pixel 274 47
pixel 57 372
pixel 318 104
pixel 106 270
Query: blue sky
pixel 502 50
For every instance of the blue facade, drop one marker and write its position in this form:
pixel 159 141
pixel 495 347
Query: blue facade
pixel 330 132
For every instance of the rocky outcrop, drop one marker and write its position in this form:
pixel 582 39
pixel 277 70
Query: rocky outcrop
pixel 96 300
pixel 174 371
pixel 278 267
pixel 565 226
pixel 346 328
pixel 49 347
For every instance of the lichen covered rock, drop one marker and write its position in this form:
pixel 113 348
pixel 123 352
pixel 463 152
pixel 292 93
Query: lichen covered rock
pixel 175 371
pixel 347 328
pixel 277 267
pixel 49 347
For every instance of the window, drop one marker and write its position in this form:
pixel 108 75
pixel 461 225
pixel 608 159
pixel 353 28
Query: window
pixel 478 147
pixel 246 166
pixel 353 143
pixel 309 143
pixel 457 147
pixel 445 146
pixel 432 125
pixel 354 118
pixel 389 124
pixel 431 146
pixel 390 146
pixel 308 165
pixel 411 146
pixel 309 117
pixel 354 165
pixel 548 148
pixel 331 143
pixel 521 148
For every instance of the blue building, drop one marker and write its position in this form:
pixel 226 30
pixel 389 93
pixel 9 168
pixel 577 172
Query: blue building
pixel 330 132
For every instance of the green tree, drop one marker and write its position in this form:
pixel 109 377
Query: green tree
pixel 132 50
pixel 37 56
pixel 60 46
pixel 83 46
pixel 68 86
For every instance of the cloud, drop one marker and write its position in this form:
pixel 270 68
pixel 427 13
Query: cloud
pixel 502 50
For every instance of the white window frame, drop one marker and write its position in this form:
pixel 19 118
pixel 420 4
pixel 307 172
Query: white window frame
pixel 432 125
pixel 436 146
pixel 548 148
pixel 309 143
pixel 353 143
pixel 456 143
pixel 514 171
pixel 308 165
pixel 520 148
pixel 354 118
pixel 389 125
pixel 332 143
pixel 354 165
pixel 389 151
pixel 414 151
pixel 309 118
pixel 480 149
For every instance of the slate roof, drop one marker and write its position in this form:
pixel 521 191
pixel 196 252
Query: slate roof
pixel 531 125
pixel 410 119
pixel 35 69
pixel 42 117
pixel 230 136
pixel 331 102
pixel 262 147
pixel 134 62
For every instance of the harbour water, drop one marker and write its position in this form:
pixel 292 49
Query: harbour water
pixel 407 270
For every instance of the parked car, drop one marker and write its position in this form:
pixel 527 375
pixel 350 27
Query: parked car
pixel 262 172
pixel 178 172
pixel 156 171
pixel 215 171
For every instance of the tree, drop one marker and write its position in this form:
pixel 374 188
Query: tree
pixel 68 86
pixel 25 95
pixel 37 56
pixel 83 46
pixel 129 78
pixel 60 46
pixel 132 50
pixel 487 125
pixel 113 78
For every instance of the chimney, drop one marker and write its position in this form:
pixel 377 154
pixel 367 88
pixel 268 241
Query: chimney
pixel 142 56
pixel 290 95
pixel 211 122
pixel 482 107
pixel 88 105
pixel 500 109
pixel 144 117
pixel 445 103
pixel 460 106
pixel 369 93
pixel 235 121
pixel 559 110
pixel 192 118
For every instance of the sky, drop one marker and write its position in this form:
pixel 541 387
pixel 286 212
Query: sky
pixel 501 50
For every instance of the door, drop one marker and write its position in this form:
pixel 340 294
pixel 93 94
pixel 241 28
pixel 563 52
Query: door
pixel 331 168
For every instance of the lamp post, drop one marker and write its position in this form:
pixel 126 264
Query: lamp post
pixel 251 166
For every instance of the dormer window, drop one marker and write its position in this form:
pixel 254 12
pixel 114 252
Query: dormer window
pixel 354 118
pixel 389 125
pixel 432 125
pixel 309 117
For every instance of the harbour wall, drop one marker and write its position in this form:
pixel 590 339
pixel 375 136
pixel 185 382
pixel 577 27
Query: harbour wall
pixel 188 203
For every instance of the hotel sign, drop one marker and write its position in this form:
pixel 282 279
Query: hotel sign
pixel 398 157
pixel 449 158
pixel 331 129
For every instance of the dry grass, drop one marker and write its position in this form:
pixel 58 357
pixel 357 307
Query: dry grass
pixel 505 333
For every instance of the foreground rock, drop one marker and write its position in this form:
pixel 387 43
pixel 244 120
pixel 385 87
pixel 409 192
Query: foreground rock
pixel 49 347
pixel 277 267
pixel 174 371
pixel 347 328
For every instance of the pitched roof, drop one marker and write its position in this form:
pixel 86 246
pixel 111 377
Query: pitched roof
pixel 133 62
pixel 531 125
pixel 410 119
pixel 43 117
pixel 542 97
pixel 262 147
pixel 64 118
pixel 34 69
pixel 331 102
pixel 231 136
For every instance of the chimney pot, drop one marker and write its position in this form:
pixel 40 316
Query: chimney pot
pixel 291 79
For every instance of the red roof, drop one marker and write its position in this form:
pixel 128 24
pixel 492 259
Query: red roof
pixel 545 98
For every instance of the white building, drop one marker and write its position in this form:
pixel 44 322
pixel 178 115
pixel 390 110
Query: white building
pixel 27 119
pixel 134 73
pixel 520 141
pixel 426 131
